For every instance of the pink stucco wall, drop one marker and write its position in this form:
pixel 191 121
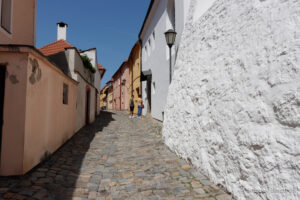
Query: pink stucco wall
pixel 36 122
pixel 121 78
pixel 125 87
pixel 116 92
pixel 23 24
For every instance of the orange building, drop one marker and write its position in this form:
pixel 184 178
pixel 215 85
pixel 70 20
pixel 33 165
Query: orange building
pixel 120 87
pixel 134 66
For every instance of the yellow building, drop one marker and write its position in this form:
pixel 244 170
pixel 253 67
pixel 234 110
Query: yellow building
pixel 134 65
pixel 103 97
pixel 110 95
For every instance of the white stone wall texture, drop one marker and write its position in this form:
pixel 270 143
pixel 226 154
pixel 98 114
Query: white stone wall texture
pixel 233 107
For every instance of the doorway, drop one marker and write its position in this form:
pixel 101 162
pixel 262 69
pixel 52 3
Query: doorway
pixel 149 93
pixel 87 113
pixel 2 90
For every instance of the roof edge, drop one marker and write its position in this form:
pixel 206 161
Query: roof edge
pixel 147 15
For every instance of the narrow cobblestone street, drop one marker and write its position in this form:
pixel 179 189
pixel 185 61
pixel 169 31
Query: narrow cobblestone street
pixel 114 158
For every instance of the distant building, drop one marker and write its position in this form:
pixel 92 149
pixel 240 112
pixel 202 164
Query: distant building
pixel 37 99
pixel 134 66
pixel 160 17
pixel 110 94
pixel 120 87
pixel 102 71
pixel 103 97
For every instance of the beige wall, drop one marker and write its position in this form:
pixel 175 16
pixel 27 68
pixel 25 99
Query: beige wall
pixel 23 24
pixel 36 122
pixel 49 122
pixel 14 112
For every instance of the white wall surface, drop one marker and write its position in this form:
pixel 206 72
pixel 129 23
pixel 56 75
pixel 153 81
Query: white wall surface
pixel 156 57
pixel 85 78
pixel 92 54
pixel 233 107
pixel 81 104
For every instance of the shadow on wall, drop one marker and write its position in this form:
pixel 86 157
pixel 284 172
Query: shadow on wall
pixel 59 176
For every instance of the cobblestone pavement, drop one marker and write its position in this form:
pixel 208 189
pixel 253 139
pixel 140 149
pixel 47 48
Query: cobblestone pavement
pixel 114 158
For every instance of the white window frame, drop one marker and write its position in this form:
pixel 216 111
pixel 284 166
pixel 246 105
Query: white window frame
pixel 9 34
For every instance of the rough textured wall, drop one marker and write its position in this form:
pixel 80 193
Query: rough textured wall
pixel 233 107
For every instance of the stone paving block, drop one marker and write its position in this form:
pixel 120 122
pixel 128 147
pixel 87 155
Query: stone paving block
pixel 224 197
pixel 113 158
pixel 92 195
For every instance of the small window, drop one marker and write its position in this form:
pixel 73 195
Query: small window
pixel 153 35
pixel 6 7
pixel 65 94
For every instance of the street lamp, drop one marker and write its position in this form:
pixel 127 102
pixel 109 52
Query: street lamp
pixel 170 39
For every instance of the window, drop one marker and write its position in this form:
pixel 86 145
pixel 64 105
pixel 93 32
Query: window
pixel 146 51
pixel 152 38
pixel 65 93
pixel 5 14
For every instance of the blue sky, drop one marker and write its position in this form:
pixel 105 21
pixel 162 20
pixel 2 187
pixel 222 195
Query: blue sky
pixel 112 26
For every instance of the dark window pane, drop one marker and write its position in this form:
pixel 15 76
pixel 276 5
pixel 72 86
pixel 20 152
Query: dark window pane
pixel 6 15
pixel 65 94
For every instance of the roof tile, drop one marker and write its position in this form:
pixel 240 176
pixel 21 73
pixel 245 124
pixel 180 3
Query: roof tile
pixel 55 47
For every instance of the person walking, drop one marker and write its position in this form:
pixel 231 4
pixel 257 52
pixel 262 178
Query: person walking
pixel 131 106
pixel 140 105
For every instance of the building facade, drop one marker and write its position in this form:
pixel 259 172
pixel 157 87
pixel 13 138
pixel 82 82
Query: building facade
pixel 17 22
pixel 120 87
pixel 103 97
pixel 110 94
pixel 155 52
pixel 134 67
pixel 37 100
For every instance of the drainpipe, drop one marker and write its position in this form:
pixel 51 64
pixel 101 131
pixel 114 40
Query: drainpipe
pixel 120 90
pixel 131 78
pixel 141 59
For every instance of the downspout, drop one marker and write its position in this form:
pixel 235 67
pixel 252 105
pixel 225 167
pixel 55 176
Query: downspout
pixel 113 99
pixel 131 78
pixel 141 59
pixel 120 91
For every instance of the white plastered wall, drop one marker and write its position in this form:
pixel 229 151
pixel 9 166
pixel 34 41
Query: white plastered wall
pixel 233 106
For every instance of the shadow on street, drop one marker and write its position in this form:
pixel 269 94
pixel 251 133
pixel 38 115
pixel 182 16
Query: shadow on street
pixel 57 177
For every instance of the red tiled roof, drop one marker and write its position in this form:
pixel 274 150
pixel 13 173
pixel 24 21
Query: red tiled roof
pixel 100 67
pixel 55 47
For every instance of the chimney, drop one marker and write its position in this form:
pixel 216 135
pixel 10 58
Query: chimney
pixel 62 31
